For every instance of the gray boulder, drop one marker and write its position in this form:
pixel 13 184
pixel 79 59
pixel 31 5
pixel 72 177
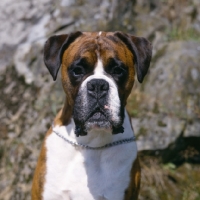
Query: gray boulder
pixel 169 103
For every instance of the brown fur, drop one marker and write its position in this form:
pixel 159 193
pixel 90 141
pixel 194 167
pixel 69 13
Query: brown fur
pixel 132 191
pixel 39 175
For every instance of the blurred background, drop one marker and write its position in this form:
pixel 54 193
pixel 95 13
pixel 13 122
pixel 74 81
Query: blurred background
pixel 165 109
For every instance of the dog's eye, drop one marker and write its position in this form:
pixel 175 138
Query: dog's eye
pixel 118 71
pixel 78 71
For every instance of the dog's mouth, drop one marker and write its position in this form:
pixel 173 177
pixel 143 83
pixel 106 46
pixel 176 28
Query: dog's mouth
pixel 97 115
pixel 98 119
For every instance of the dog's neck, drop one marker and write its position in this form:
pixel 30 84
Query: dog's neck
pixel 95 137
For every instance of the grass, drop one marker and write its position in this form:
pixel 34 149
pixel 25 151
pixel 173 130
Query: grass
pixel 168 182
pixel 178 33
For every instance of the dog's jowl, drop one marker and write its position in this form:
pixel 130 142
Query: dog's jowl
pixel 90 151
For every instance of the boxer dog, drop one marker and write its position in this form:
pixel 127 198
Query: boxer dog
pixel 90 151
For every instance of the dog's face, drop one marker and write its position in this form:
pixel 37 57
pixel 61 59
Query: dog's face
pixel 98 71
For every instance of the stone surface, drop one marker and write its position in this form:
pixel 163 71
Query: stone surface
pixel 170 97
pixel 157 131
pixel 174 80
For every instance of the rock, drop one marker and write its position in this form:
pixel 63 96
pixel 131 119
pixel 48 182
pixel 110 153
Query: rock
pixel 157 131
pixel 171 96
pixel 178 71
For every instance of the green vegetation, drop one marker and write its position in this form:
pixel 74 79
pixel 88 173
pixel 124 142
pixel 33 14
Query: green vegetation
pixel 178 33
pixel 168 182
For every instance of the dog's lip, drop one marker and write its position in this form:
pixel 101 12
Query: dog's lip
pixel 97 114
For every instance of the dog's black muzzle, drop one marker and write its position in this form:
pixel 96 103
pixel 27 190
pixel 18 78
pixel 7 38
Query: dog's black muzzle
pixel 97 114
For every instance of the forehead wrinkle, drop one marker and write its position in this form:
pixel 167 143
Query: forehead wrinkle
pixel 121 51
pixel 105 49
pixel 105 43
pixel 86 48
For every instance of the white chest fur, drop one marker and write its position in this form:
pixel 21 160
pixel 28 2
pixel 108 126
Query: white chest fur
pixel 82 174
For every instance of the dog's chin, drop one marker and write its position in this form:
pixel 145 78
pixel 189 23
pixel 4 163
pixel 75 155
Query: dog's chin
pixel 98 126
pixel 92 126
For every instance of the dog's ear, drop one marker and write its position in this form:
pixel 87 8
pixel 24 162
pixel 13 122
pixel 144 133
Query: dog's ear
pixel 54 49
pixel 141 49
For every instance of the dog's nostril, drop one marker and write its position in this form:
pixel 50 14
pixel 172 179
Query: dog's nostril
pixel 104 87
pixel 90 86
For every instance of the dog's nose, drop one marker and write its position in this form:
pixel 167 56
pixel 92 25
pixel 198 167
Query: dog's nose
pixel 98 87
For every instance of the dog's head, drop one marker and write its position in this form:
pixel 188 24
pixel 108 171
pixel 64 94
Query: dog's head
pixel 98 71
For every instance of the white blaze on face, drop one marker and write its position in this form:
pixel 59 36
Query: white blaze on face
pixel 113 104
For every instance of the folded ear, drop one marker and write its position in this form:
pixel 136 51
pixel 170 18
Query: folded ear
pixel 54 49
pixel 141 49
